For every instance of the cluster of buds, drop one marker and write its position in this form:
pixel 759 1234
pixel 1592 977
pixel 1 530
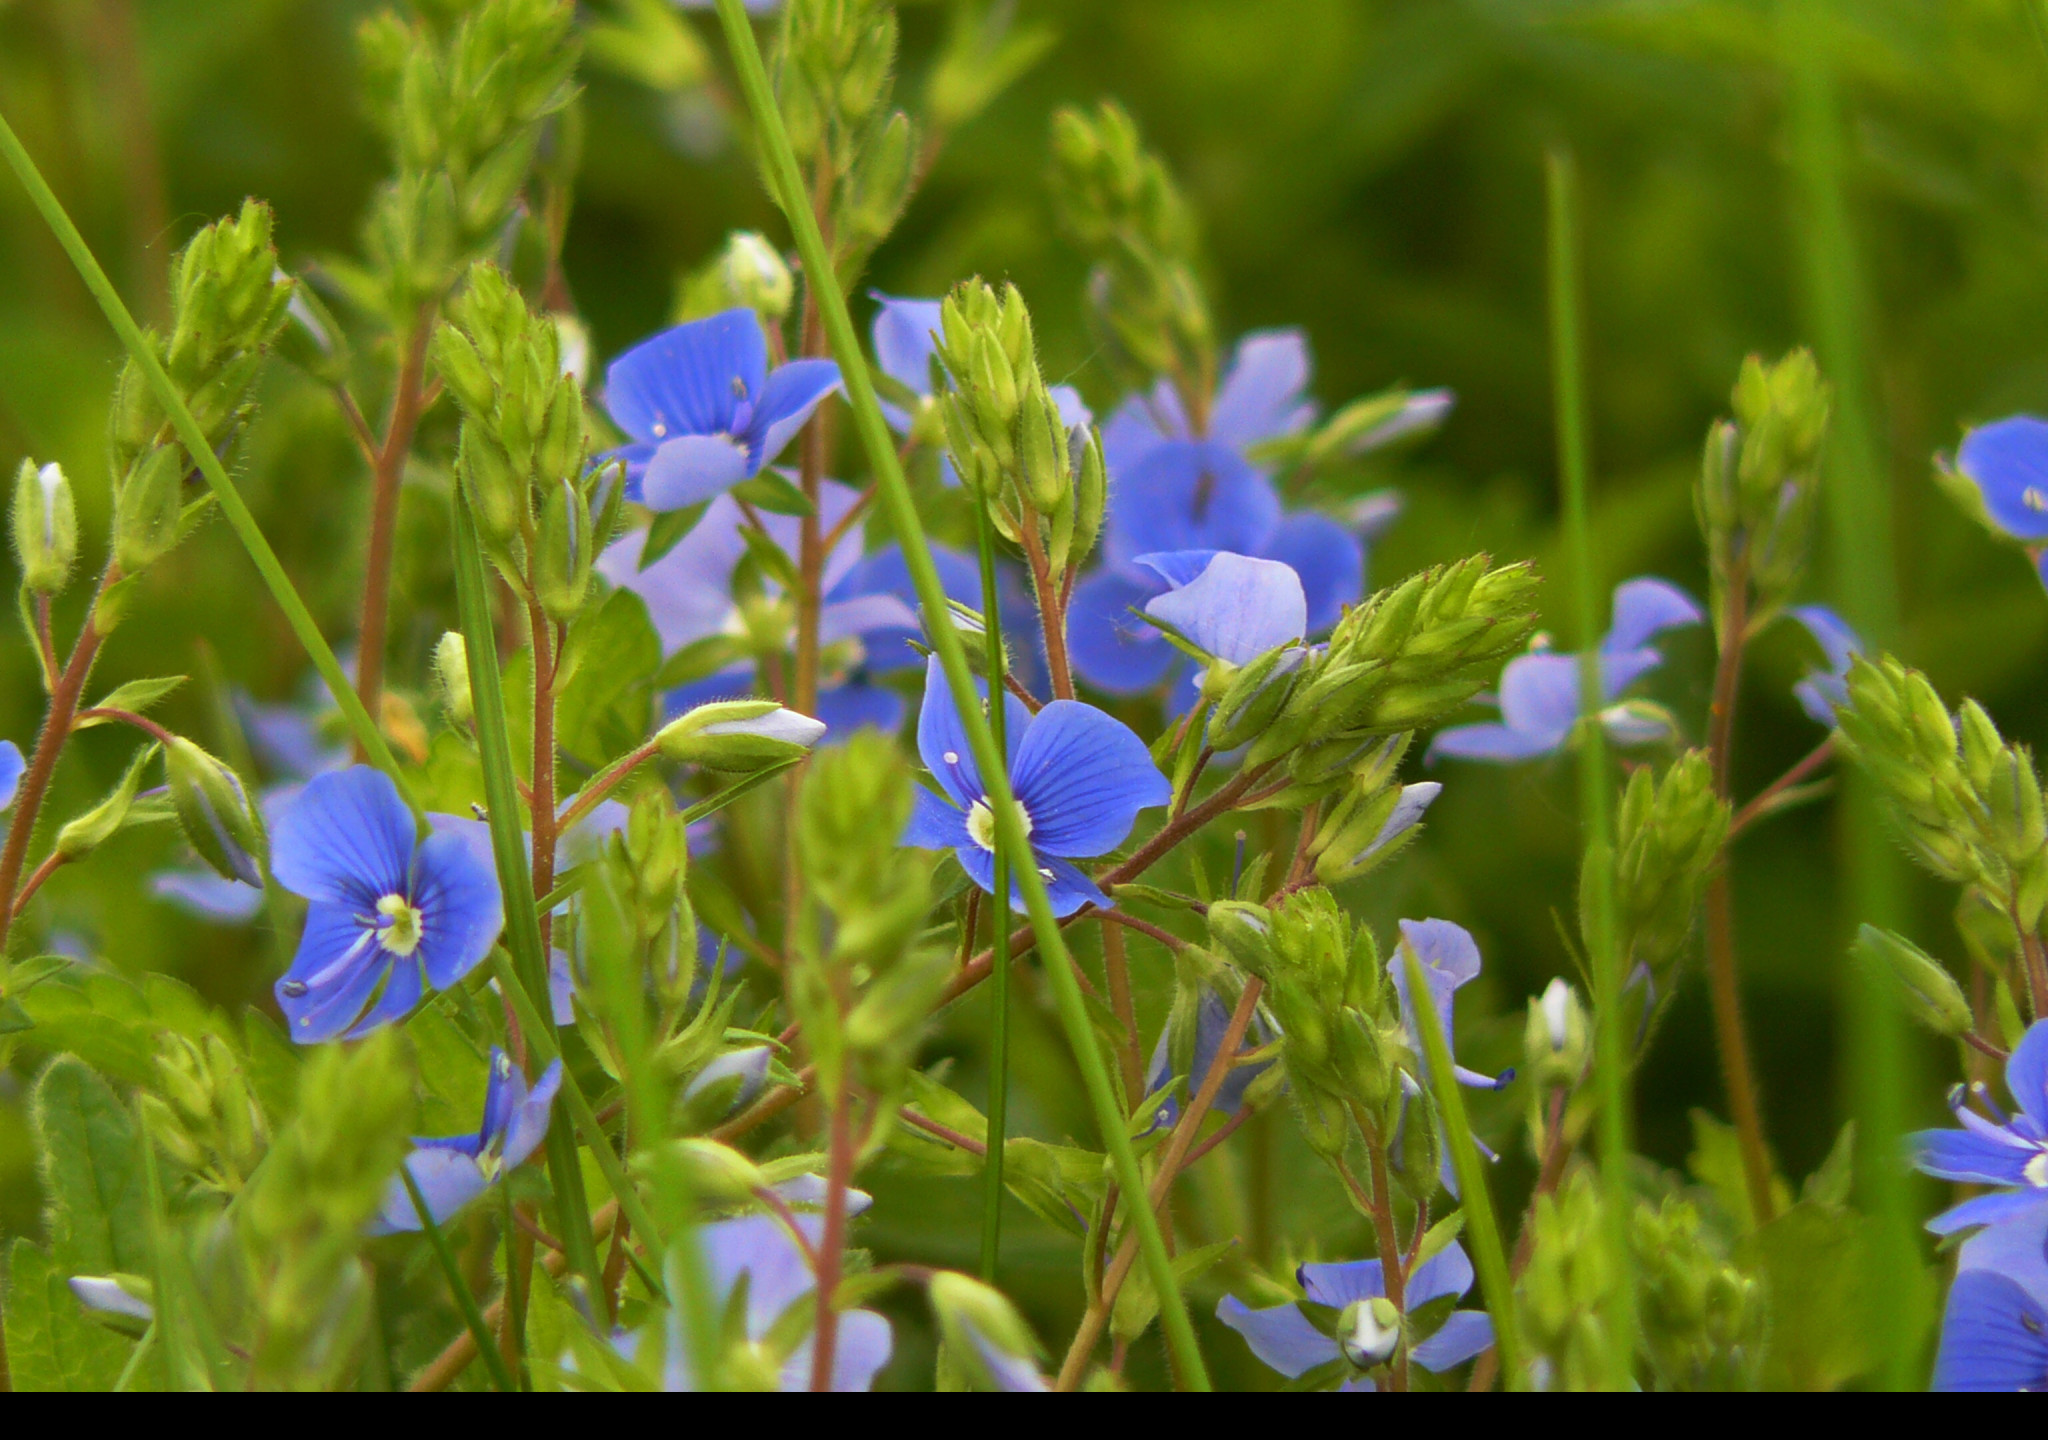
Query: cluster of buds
pixel 1565 1290
pixel 1329 997
pixel 228 304
pixel 1118 200
pixel 203 1114
pixel 465 114
pixel 1374 817
pixel 1668 839
pixel 1701 1317
pixel 1401 661
pixel 1004 429
pixel 652 855
pixel 1760 480
pixel 524 443
pixel 861 981
pixel 833 73
pixel 1967 802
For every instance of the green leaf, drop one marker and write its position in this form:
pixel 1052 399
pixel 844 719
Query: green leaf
pixel 1716 1162
pixel 136 697
pixel 1059 1182
pixel 769 557
pixel 696 660
pixel 1137 1304
pixel 1816 1262
pixel 452 1074
pixel 1831 1181
pixel 112 1024
pixel 772 492
pixel 92 1173
pixel 666 531
pixel 605 705
pixel 52 1345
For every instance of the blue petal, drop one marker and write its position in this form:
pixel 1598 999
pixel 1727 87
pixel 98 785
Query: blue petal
pixel 1083 776
pixel 1282 1336
pixel 1238 608
pixel 1989 1210
pixel 2008 462
pixel 1338 1285
pixel 682 381
pixel 758 1247
pixel 2026 1073
pixel 1138 425
pixel 934 825
pixel 1111 648
pixel 1190 495
pixel 904 346
pixel 529 1122
pixel 1329 559
pixel 693 468
pixel 1447 951
pixel 1176 567
pixel 2018 1250
pixel 346 840
pixel 1066 887
pixel 11 766
pixel 1994 1336
pixel 634 456
pixel 207 895
pixel 1260 396
pixel 461 910
pixel 688 591
pixel 402 991
pixel 1961 1155
pixel 792 393
pixel 287 738
pixel 1463 1334
pixel 1832 633
pixel 1539 696
pixel 847 708
pixel 858 616
pixel 338 967
pixel 863 1348
pixel 1448 1272
pixel 942 736
pixel 1646 607
pixel 1488 742
pixel 447 1181
pixel 749 1066
pixel 1420 412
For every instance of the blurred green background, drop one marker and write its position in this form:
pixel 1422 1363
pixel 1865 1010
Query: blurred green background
pixel 1367 169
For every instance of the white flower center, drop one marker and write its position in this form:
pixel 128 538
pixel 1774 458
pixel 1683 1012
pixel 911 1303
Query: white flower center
pixel 403 921
pixel 981 824
pixel 2033 499
pixel 2037 1171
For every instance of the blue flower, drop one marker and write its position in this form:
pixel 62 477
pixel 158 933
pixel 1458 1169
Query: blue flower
pixel 452 1171
pixel 11 766
pixel 1173 489
pixel 1080 778
pixel 1288 1341
pixel 1450 959
pixel 1994 1332
pixel 2005 1151
pixel 905 334
pixel 1539 692
pixel 2007 461
pixel 1822 690
pixel 778 1275
pixel 391 913
pixel 1232 607
pixel 1212 1019
pixel 703 409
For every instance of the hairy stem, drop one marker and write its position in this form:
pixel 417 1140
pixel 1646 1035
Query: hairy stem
pixel 386 478
pixel 832 1245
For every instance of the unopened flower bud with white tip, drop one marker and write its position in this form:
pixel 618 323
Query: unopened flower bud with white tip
pixel 756 275
pixel 738 735
pixel 451 669
pixel 45 527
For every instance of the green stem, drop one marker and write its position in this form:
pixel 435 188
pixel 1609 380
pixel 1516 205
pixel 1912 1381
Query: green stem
pixel 1610 1051
pixel 1859 514
pixel 515 881
pixel 232 506
pixel 895 492
pixel 486 1343
pixel 1482 1228
pixel 998 915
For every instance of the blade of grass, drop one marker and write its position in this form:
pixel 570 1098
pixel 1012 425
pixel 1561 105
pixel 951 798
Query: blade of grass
pixel 787 180
pixel 232 505
pixel 508 847
pixel 1610 1060
pixel 1859 514
pixel 1482 1227
pixel 999 1019
pixel 486 1342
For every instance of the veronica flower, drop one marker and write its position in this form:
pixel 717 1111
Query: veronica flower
pixel 1080 778
pixel 2007 461
pixel 703 409
pixel 1367 1330
pixel 1450 959
pixel 1821 691
pixel 11 766
pixel 1176 489
pixel 1994 1331
pixel 1539 692
pixel 391 913
pixel 1232 607
pixel 778 1276
pixel 2007 1151
pixel 455 1169
pixel 1212 1020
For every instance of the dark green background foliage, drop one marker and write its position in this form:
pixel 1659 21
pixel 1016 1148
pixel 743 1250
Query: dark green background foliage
pixel 1368 169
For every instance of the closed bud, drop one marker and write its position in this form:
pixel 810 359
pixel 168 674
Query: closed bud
pixel 1244 933
pixel 1930 992
pixel 215 813
pixel 1557 1040
pixel 1091 497
pixel 45 527
pixel 728 1081
pixel 994 392
pixel 462 370
pixel 499 495
pixel 1042 449
pixel 755 275
pixel 451 672
pixel 562 550
pixel 738 735
pixel 97 825
pixel 147 507
pixel 881 182
pixel 717 1175
pixel 1252 695
pixel 1376 832
pixel 984 1334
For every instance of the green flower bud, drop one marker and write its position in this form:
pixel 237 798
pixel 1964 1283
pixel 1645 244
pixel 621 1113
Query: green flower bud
pixel 1042 450
pixel 1375 832
pixel 1252 695
pixel 984 1334
pixel 562 550
pixel 1557 1040
pixel 499 495
pixel 99 824
pixel 215 812
pixel 147 507
pixel 45 527
pixel 755 275
pixel 463 371
pixel 1930 992
pixel 451 671
pixel 1669 836
pixel 880 184
pixel 717 1175
pixel 1091 498
pixel 1243 931
pixel 738 735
